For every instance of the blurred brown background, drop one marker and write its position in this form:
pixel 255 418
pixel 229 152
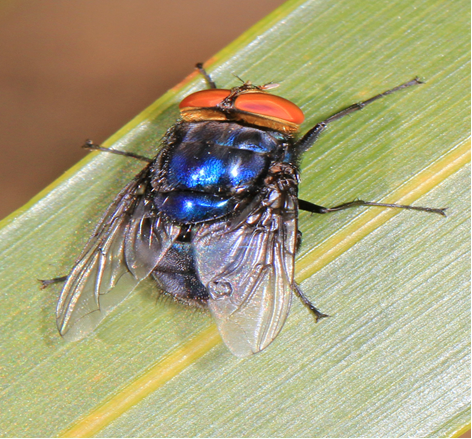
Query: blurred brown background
pixel 71 70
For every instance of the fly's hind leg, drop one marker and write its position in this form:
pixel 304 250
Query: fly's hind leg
pixel 46 282
pixel 316 312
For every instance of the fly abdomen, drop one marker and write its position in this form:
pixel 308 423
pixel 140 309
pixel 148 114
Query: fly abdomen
pixel 176 274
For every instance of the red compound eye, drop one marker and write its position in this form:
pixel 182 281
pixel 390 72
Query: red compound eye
pixel 260 104
pixel 271 106
pixel 205 98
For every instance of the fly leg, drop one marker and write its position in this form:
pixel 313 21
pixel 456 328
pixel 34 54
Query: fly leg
pixel 209 81
pixel 316 312
pixel 46 282
pixel 314 208
pixel 312 135
pixel 93 147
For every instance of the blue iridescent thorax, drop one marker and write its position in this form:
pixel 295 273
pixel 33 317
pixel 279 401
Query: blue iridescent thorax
pixel 193 207
pixel 207 165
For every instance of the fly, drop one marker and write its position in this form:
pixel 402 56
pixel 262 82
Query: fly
pixel 213 218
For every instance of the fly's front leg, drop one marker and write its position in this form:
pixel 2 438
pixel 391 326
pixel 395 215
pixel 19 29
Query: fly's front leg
pixel 94 147
pixel 312 135
pixel 209 81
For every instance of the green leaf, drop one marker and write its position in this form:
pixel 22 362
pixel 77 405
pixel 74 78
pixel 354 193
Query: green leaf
pixel 393 359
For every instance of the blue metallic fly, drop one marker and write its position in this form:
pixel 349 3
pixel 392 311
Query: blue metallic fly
pixel 212 218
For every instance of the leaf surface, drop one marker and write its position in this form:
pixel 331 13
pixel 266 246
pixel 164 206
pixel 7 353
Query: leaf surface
pixel 393 359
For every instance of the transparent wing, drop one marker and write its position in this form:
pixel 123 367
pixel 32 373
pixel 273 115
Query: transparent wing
pixel 247 267
pixel 124 249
